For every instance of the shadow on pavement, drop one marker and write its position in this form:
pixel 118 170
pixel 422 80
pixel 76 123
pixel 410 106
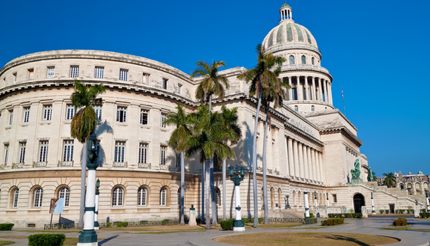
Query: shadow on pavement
pixel 107 240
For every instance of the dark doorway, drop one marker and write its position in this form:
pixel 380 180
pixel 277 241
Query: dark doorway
pixel 358 202
pixel 391 208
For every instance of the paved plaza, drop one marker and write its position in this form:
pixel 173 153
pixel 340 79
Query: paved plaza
pixel 366 226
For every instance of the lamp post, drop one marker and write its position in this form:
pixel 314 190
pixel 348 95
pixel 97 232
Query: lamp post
pixel 372 199
pixel 316 204
pixel 236 175
pixel 428 201
pixel 96 212
pixel 88 236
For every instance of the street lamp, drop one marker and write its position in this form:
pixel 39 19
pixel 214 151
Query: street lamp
pixel 236 175
pixel 372 199
pixel 96 212
pixel 306 201
pixel 88 236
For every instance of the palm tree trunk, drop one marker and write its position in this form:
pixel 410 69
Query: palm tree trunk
pixel 182 221
pixel 266 208
pixel 224 189
pixel 212 186
pixel 83 176
pixel 254 163
pixel 207 191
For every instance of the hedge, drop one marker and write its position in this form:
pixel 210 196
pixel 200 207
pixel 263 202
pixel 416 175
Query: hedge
pixel 227 225
pixel 400 222
pixel 6 227
pixel 46 240
pixel 120 224
pixel 332 221
pixel 425 215
pixel 346 215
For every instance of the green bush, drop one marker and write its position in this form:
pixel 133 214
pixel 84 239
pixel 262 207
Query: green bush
pixel 332 221
pixel 165 222
pixel 46 239
pixel 400 222
pixel 6 227
pixel 381 211
pixel 251 220
pixel 227 225
pixel 425 215
pixel 120 224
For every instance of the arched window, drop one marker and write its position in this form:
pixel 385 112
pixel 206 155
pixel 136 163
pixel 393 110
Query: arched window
pixel 279 198
pixel 294 198
pixel 142 196
pixel 313 60
pixel 163 196
pixel 292 60
pixel 117 196
pixel 272 197
pixel 37 197
pixel 64 192
pixel 14 197
pixel 217 196
pixel 303 59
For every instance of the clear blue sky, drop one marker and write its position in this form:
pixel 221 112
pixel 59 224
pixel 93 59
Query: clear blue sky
pixel 376 50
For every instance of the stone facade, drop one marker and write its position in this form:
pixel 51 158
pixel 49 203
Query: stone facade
pixel 312 146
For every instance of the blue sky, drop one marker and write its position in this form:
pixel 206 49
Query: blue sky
pixel 376 51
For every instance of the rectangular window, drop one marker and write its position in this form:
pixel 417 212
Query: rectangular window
pixel 43 151
pixel 145 78
pixel 50 72
pixel 10 116
pixel 68 150
pixel 144 116
pixel 70 111
pixel 143 152
pixel 74 71
pixel 294 92
pixel 98 110
pixel 163 150
pixel 47 112
pixel 119 152
pixel 123 74
pixel 304 92
pixel 334 198
pixel 121 114
pixel 26 114
pixel 163 120
pixel 5 153
pixel 165 83
pixel 30 73
pixel 21 152
pixel 99 72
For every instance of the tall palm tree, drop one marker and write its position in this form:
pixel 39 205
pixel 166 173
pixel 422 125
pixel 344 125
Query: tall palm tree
pixel 211 84
pixel 229 121
pixel 209 140
pixel 264 84
pixel 83 125
pixel 179 141
pixel 390 180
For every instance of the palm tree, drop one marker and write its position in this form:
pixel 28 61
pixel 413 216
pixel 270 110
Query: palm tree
pixel 390 180
pixel 209 140
pixel 83 125
pixel 266 86
pixel 179 141
pixel 212 83
pixel 229 121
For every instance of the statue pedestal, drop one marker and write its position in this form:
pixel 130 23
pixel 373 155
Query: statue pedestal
pixel 192 221
pixel 364 212
pixel 416 212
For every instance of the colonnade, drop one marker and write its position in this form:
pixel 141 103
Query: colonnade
pixel 304 88
pixel 303 162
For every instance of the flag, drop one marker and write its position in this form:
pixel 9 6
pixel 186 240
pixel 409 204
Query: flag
pixel 59 206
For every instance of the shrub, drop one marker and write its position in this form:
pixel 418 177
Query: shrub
pixel 400 222
pixel 346 215
pixel 251 220
pixel 227 225
pixel 425 215
pixel 120 224
pixel 6 227
pixel 108 224
pixel 381 211
pixel 410 211
pixel 46 239
pixel 165 222
pixel 332 221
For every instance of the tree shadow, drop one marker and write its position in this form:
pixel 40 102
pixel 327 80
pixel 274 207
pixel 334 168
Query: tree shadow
pixel 349 239
pixel 100 129
pixel 101 242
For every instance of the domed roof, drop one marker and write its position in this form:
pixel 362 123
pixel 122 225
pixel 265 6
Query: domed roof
pixel 289 35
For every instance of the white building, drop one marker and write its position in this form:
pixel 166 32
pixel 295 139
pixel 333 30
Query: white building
pixel 313 145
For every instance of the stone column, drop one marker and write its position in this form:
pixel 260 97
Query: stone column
pixel 330 98
pixel 296 159
pixel 318 174
pixel 320 89
pixel 321 167
pixel 300 151
pixel 290 156
pixel 306 86
pixel 305 162
pixel 313 166
pixel 299 89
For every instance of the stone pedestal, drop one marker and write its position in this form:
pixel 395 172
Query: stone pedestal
pixel 417 212
pixel 364 212
pixel 192 221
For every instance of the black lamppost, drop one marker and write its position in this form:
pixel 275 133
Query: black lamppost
pixel 96 212
pixel 236 174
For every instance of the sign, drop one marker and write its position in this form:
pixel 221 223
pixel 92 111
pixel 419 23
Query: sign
pixel 59 206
